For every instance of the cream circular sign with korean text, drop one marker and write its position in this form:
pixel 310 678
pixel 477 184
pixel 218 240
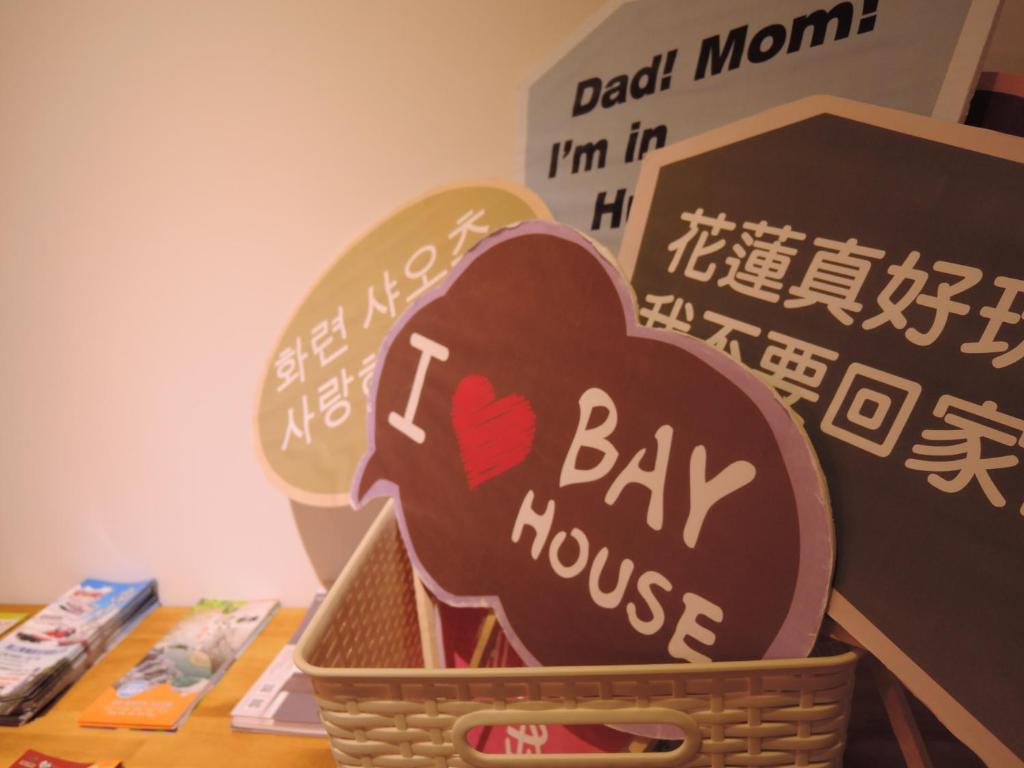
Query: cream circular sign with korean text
pixel 311 415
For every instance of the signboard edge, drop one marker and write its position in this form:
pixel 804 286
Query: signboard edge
pixel 957 87
pixel 960 722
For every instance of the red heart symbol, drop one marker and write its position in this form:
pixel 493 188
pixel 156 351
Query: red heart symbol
pixel 493 435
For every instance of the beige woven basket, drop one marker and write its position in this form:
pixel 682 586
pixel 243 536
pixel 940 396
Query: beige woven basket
pixel 362 650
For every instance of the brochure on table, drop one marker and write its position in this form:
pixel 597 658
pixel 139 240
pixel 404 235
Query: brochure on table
pixel 161 690
pixel 44 655
pixel 281 700
pixel 33 759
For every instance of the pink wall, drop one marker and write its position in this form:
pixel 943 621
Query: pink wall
pixel 173 178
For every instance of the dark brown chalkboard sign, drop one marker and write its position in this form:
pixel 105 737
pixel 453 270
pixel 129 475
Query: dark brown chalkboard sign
pixel 616 494
pixel 869 264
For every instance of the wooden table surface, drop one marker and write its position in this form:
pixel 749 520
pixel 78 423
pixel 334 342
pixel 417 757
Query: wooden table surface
pixel 206 738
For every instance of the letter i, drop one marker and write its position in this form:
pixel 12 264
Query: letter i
pixel 631 144
pixel 429 350
pixel 565 148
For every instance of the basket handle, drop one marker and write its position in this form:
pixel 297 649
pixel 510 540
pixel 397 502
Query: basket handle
pixel 629 715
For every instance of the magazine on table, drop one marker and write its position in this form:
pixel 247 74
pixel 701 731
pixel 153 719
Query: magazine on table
pixel 33 759
pixel 281 700
pixel 51 650
pixel 160 691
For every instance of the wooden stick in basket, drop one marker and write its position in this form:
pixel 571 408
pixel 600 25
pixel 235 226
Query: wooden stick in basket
pixel 426 615
pixel 484 637
pixel 894 698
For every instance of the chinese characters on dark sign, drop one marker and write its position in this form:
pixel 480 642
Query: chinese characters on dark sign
pixel 876 281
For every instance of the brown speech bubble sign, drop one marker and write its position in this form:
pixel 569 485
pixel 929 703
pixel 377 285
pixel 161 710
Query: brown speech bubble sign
pixel 615 494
